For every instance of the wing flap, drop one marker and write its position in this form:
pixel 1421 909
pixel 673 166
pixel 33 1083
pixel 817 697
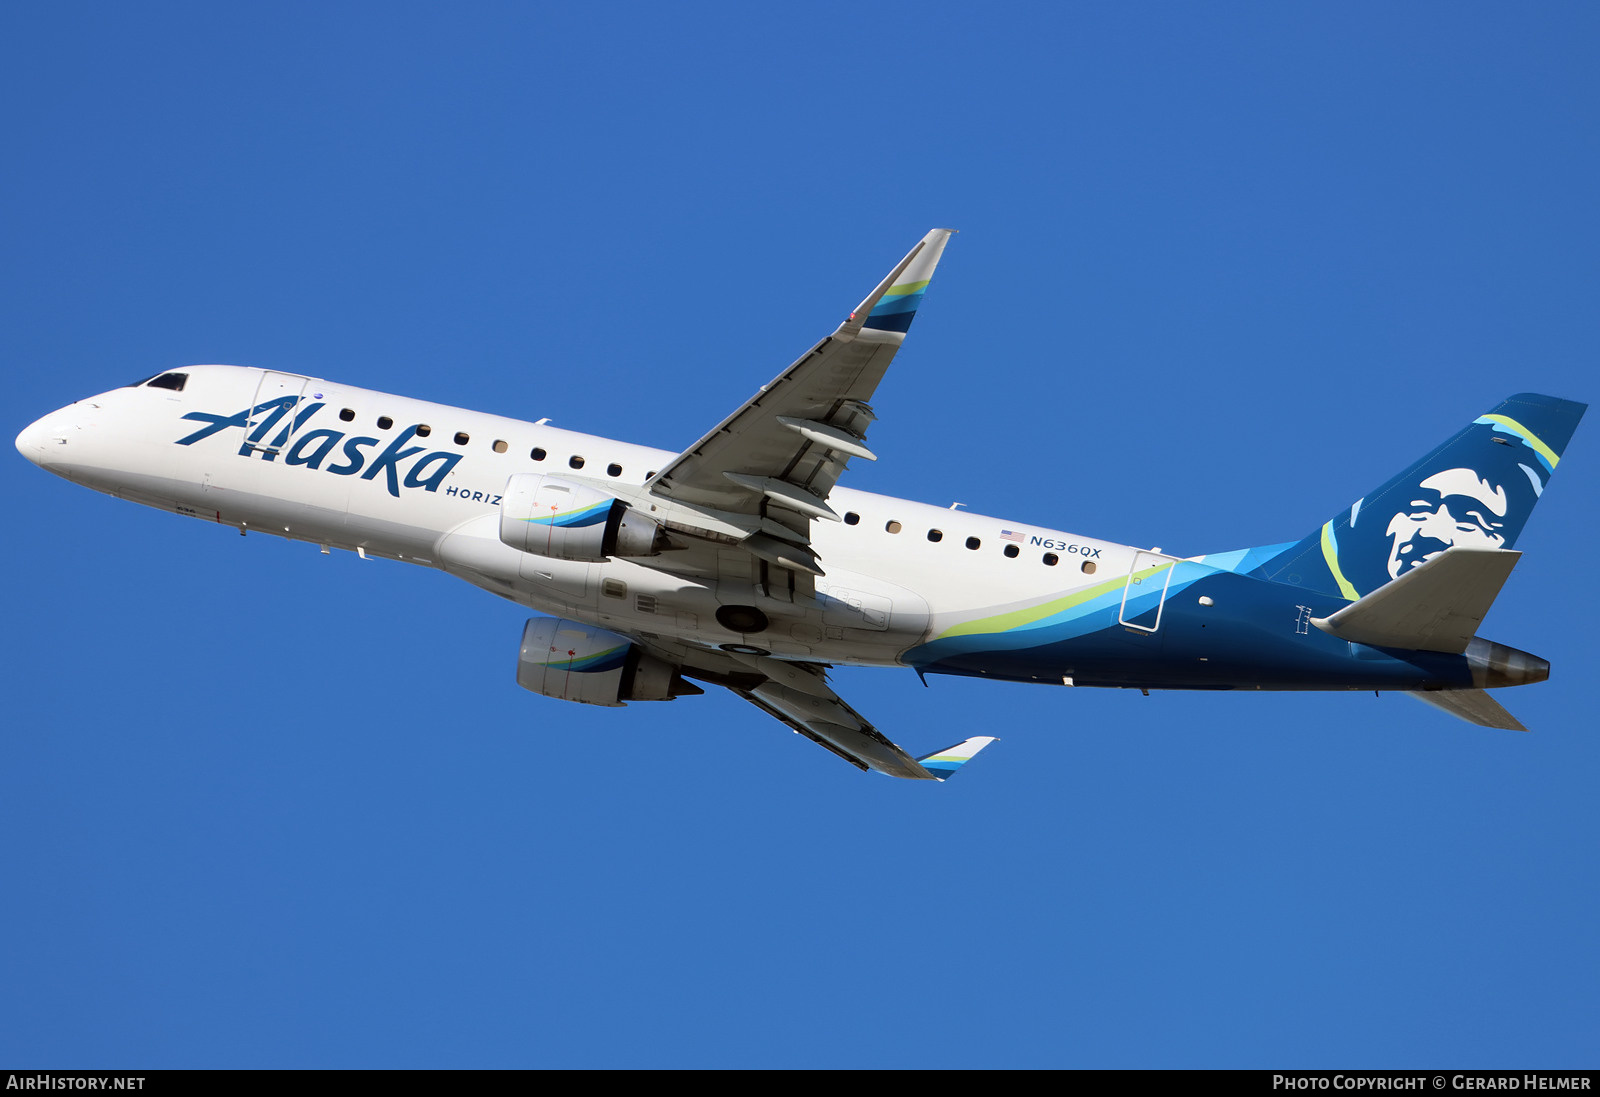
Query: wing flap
pixel 834 724
pixel 798 694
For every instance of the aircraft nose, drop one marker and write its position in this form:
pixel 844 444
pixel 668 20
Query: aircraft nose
pixel 30 443
pixel 41 439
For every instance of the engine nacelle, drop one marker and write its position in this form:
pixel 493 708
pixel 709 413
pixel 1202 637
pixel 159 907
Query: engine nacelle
pixel 578 662
pixel 548 516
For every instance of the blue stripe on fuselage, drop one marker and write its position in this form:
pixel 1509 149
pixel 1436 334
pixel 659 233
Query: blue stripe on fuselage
pixel 1255 635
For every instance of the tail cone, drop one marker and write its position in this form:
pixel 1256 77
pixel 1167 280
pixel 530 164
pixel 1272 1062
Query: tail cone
pixel 1497 665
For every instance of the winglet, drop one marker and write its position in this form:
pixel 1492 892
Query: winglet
pixel 893 305
pixel 944 763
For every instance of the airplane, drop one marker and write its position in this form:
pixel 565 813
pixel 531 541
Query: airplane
pixel 740 562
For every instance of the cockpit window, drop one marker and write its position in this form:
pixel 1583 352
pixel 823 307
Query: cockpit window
pixel 173 381
pixel 140 383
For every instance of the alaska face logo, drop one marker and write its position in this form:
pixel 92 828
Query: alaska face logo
pixel 1453 507
pixel 1476 491
pixel 312 448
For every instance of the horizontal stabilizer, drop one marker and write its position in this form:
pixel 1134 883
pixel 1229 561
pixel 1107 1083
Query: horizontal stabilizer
pixel 1437 606
pixel 1475 706
pixel 944 763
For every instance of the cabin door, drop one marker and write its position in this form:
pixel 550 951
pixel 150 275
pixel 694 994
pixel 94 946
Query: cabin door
pixel 1145 592
pixel 274 413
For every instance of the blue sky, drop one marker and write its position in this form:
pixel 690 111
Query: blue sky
pixel 1221 270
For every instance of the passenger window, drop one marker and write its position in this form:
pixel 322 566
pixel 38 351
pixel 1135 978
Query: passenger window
pixel 575 461
pixel 423 430
pixel 384 422
pixel 613 470
pixel 1051 559
pixel 1088 567
pixel 851 517
pixel 537 454
pixel 973 542
pixel 936 535
pixel 499 446
pixel 1013 551
pixel 892 526
pixel 173 381
pixel 462 438
pixel 347 414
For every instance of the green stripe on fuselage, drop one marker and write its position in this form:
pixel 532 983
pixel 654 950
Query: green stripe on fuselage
pixel 1022 618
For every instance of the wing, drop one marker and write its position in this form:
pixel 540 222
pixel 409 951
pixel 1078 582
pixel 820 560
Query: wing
pixel 799 695
pixel 741 500
pixel 775 460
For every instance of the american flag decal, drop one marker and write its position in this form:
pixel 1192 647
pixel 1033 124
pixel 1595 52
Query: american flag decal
pixel 1011 535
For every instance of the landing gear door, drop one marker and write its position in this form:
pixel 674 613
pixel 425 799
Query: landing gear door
pixel 1145 593
pixel 274 413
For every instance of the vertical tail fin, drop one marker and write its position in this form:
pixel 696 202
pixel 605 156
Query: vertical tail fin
pixel 1476 490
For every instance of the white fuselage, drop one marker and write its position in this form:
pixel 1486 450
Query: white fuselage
pixel 338 479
